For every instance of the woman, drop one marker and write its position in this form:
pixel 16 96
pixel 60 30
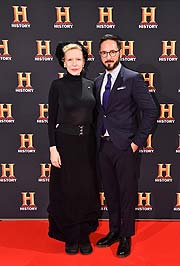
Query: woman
pixel 74 200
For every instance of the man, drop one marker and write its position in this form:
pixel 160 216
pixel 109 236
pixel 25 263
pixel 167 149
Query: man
pixel 121 95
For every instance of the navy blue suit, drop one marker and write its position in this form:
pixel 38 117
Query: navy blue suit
pixel 129 95
pixel 129 101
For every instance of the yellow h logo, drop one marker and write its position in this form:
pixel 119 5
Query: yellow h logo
pixel 65 14
pixel 149 142
pixel 22 12
pixel 179 143
pixel 88 46
pixel 162 169
pixel 28 199
pixel 103 14
pixel 41 47
pixel 45 171
pixel 149 78
pixel 129 48
pixel 166 110
pixel 102 198
pixel 26 141
pixel 42 110
pixel 7 168
pixel 5 110
pixel 144 197
pixel 168 47
pixel 26 79
pixel 148 14
pixel 178 199
pixel 4 46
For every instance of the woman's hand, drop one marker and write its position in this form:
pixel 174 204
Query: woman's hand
pixel 55 157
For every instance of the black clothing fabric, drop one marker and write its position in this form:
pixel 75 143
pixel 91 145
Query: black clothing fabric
pixel 128 99
pixel 73 190
pixel 116 167
pixel 119 166
pixel 71 102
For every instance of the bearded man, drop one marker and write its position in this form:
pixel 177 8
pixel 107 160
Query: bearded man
pixel 122 98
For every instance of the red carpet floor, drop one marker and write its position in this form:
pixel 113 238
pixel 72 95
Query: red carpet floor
pixel 25 243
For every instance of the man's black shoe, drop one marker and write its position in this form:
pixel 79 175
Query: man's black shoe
pixel 85 248
pixel 71 249
pixel 124 248
pixel 107 241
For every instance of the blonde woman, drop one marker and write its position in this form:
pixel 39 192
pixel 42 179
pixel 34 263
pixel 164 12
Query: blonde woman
pixel 73 191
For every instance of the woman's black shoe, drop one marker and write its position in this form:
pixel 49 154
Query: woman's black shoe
pixel 85 248
pixel 71 249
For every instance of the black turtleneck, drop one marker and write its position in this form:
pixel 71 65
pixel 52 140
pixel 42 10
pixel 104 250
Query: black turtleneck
pixel 70 103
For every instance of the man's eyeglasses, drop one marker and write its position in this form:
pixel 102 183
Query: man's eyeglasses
pixel 112 53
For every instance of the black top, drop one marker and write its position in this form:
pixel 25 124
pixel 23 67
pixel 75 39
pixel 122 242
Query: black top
pixel 71 102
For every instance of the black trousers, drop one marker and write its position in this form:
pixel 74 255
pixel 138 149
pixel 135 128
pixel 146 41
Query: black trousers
pixel 119 176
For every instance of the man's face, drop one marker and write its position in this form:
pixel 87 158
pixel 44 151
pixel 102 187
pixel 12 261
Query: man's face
pixel 110 54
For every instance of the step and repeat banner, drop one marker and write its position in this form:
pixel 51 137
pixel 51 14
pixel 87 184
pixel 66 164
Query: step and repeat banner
pixel 29 33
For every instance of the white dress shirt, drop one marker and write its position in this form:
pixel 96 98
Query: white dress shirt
pixel 114 73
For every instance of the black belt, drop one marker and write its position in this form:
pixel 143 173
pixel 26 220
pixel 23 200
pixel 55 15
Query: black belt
pixel 106 138
pixel 79 130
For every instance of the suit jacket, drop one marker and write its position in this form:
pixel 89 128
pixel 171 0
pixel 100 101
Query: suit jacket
pixel 128 99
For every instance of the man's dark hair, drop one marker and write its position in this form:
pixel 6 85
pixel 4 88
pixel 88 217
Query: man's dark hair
pixel 111 37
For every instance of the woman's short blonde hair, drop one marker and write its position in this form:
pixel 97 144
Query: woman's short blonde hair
pixel 63 47
pixel 70 47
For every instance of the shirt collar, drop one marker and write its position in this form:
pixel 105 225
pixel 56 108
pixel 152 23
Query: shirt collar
pixel 115 71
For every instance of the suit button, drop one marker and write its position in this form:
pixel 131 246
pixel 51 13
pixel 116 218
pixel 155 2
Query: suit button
pixel 104 115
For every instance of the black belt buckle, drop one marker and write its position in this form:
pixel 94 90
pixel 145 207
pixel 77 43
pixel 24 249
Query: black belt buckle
pixel 81 130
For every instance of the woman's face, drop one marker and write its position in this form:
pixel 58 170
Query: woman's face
pixel 74 61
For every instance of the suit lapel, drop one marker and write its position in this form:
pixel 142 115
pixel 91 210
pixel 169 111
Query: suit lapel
pixel 118 83
pixel 98 87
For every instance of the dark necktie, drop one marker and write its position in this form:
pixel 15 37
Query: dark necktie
pixel 105 100
pixel 106 92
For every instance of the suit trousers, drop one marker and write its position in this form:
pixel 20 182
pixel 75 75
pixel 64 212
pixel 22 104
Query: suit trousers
pixel 119 177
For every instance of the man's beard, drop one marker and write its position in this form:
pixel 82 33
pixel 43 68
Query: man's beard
pixel 109 66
